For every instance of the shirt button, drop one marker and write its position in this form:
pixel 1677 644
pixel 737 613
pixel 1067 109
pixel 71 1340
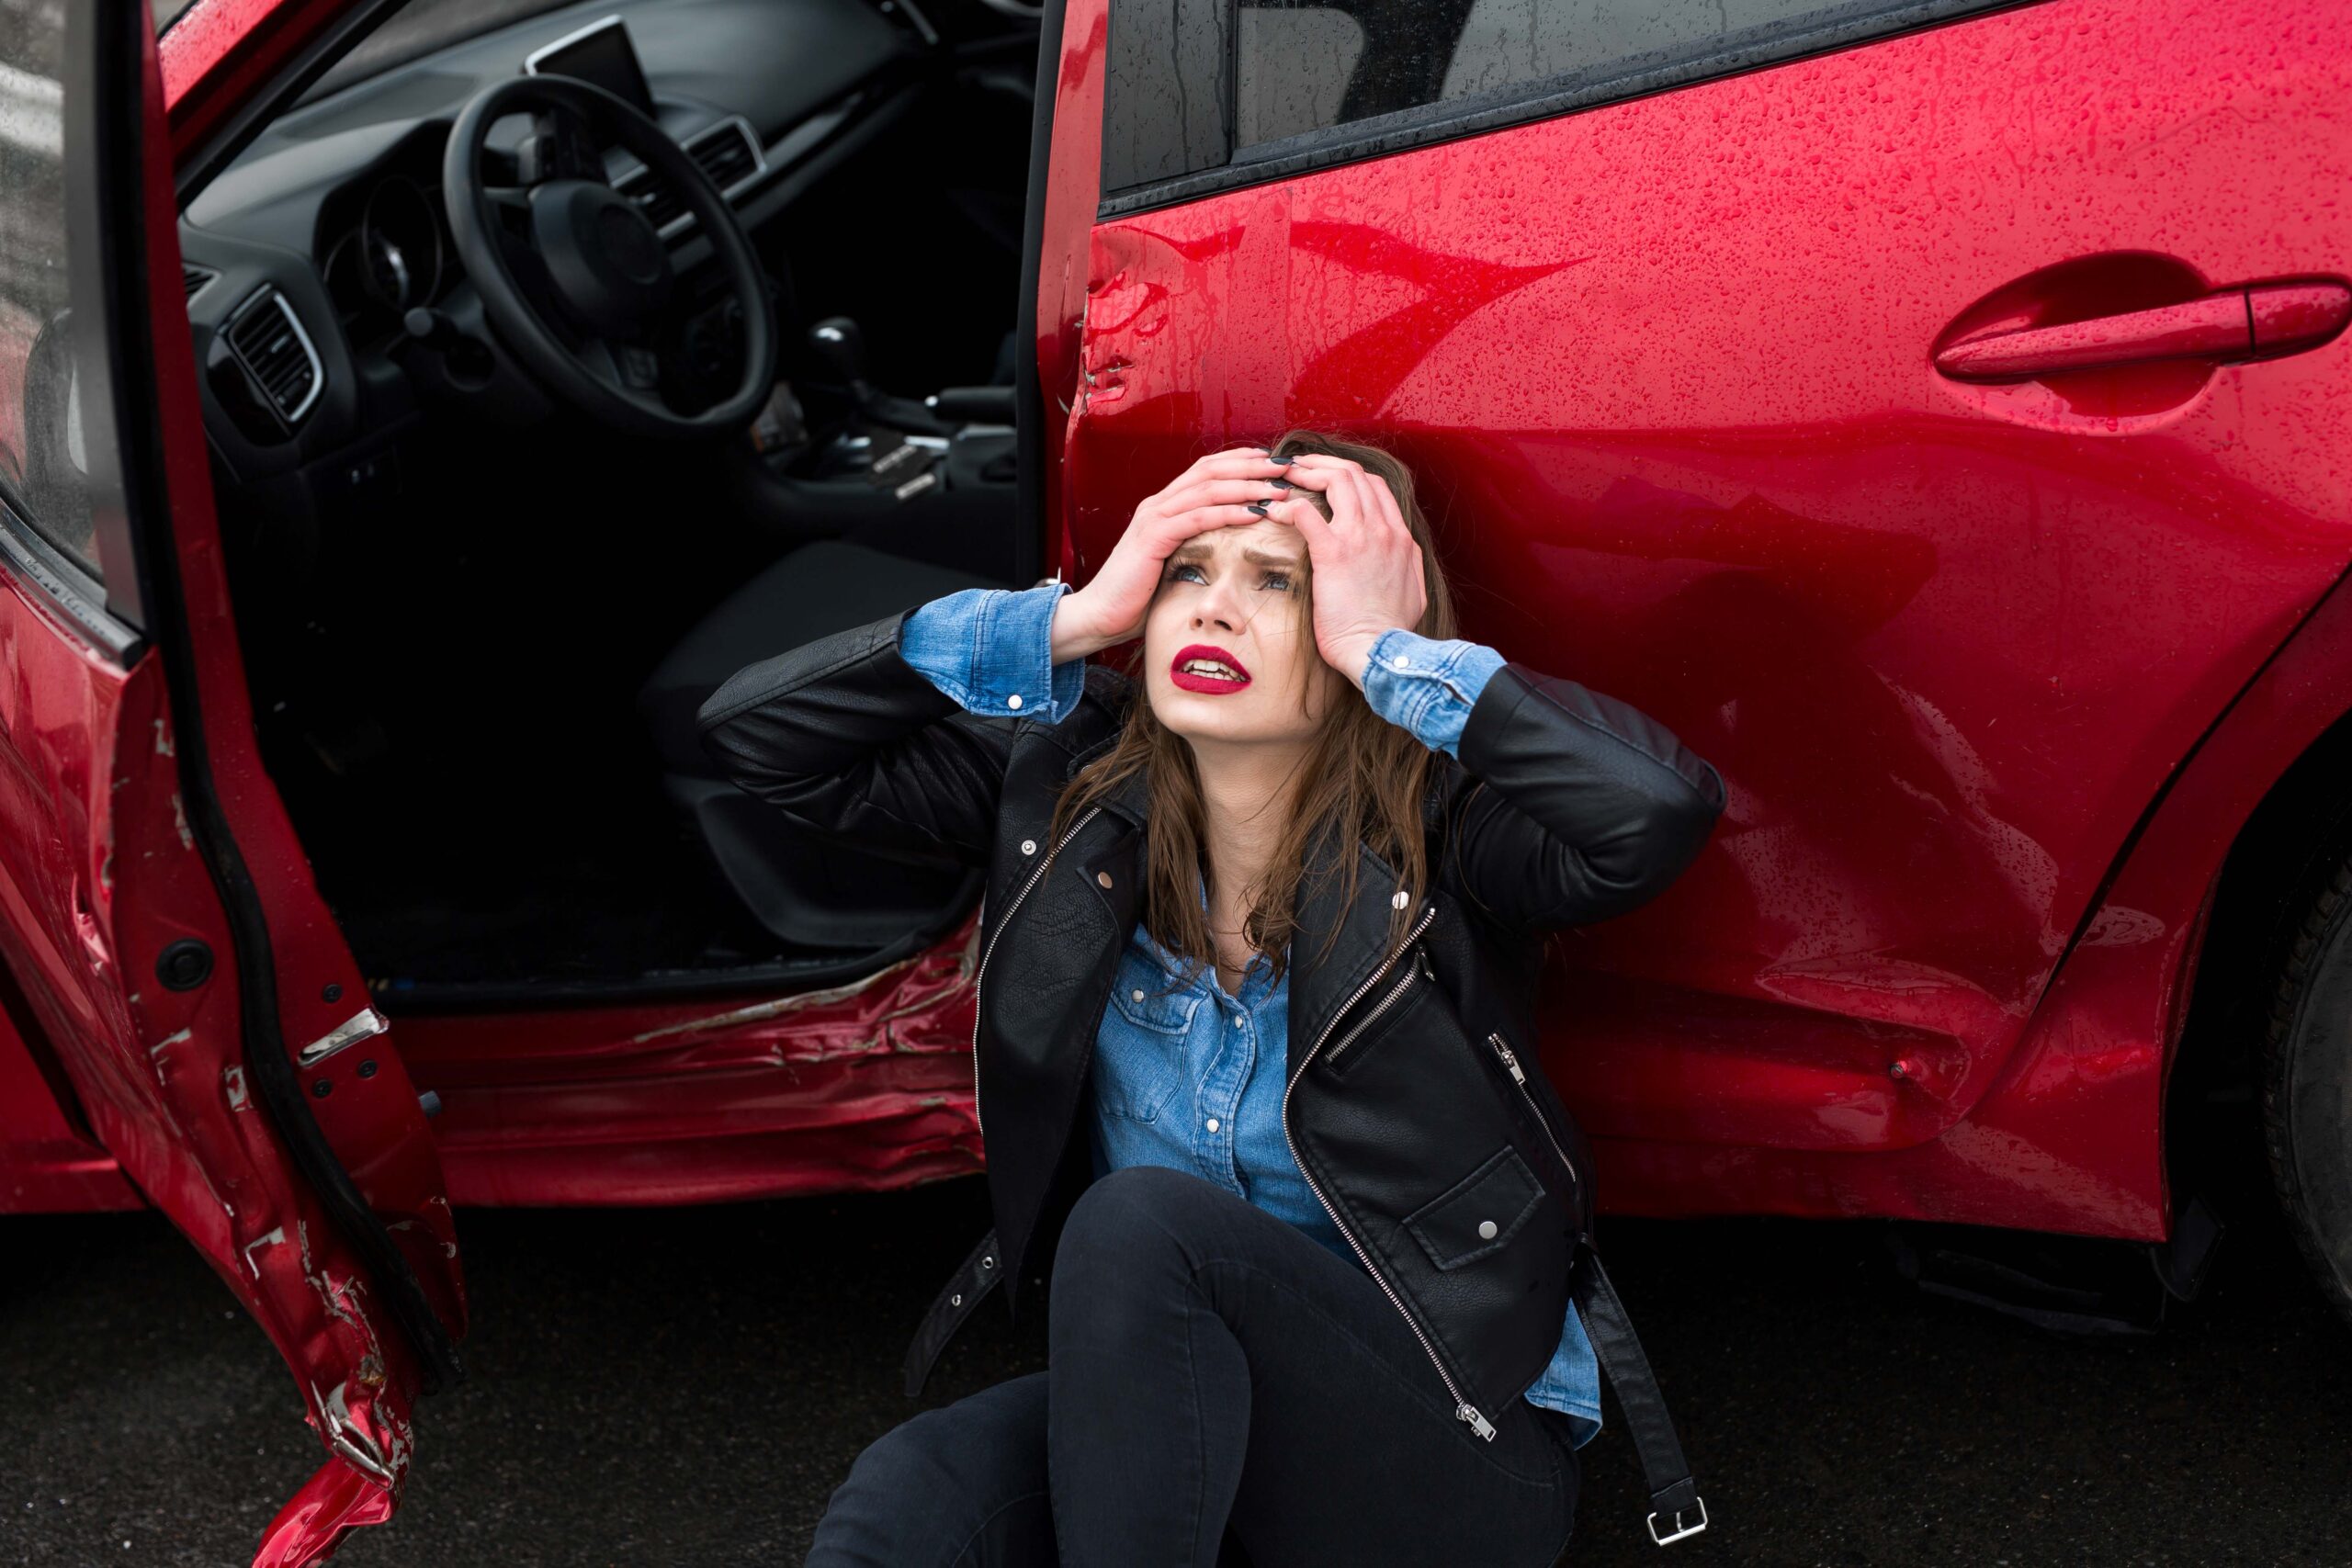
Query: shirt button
pixel 1401 662
pixel 1212 1123
pixel 1013 700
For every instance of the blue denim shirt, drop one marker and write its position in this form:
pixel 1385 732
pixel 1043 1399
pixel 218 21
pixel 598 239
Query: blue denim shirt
pixel 1175 1063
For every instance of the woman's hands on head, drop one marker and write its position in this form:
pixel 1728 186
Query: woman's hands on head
pixel 1214 492
pixel 1367 566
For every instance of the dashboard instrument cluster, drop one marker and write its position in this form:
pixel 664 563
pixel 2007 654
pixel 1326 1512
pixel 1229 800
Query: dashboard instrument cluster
pixel 389 256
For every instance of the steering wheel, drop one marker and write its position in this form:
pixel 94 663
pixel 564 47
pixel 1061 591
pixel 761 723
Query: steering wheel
pixel 573 275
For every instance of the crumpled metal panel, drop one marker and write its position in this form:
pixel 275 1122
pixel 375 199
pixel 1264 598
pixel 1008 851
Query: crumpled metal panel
pixel 860 1086
pixel 100 874
pixel 338 1500
pixel 96 877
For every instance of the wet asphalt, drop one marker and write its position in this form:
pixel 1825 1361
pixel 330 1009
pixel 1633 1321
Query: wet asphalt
pixel 687 1386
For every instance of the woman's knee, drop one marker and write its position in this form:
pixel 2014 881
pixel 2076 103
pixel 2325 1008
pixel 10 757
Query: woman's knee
pixel 914 1458
pixel 922 1491
pixel 1129 1220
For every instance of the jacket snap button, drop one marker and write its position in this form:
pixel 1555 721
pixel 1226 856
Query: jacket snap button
pixel 1028 846
pixel 988 1262
pixel 1103 877
pixel 1487 1230
pixel 1013 700
pixel 1401 900
pixel 1136 996
pixel 956 1300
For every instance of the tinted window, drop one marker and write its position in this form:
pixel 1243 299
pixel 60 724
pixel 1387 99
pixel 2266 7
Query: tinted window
pixel 1307 67
pixel 1164 98
pixel 43 464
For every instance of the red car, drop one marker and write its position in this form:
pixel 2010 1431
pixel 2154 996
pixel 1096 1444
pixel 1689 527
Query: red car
pixel 1933 410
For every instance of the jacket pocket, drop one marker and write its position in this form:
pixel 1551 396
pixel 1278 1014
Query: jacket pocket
pixel 1479 1215
pixel 1398 1002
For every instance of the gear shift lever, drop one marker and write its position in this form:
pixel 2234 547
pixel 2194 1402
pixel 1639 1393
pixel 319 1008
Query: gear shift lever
pixel 841 345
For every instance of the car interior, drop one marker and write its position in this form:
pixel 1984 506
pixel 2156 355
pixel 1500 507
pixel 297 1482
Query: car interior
pixel 507 485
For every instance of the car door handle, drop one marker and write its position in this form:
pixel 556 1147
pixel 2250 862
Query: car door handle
pixel 2252 319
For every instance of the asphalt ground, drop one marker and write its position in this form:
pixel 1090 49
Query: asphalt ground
pixel 687 1386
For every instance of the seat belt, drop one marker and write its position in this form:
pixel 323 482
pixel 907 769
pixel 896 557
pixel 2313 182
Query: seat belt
pixel 1672 1490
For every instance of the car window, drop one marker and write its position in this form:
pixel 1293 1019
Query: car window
pixel 43 466
pixel 1299 67
pixel 166 12
pixel 1206 95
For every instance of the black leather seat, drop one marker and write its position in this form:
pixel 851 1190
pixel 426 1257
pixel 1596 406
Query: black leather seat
pixel 808 890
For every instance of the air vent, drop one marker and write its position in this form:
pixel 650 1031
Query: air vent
pixel 653 192
pixel 727 151
pixel 727 154
pixel 268 341
pixel 195 277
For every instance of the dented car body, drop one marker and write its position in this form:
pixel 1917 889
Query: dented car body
pixel 1845 392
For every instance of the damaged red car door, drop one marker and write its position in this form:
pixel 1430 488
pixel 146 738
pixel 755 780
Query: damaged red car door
pixel 157 918
pixel 1933 455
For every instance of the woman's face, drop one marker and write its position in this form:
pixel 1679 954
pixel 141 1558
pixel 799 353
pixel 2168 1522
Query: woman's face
pixel 1236 597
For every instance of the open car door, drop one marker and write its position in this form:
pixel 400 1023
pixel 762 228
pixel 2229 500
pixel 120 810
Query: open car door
pixel 156 912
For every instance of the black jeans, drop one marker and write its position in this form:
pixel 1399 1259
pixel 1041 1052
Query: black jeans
pixel 1220 1389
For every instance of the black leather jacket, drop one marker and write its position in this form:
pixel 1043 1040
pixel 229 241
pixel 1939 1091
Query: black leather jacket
pixel 1414 1104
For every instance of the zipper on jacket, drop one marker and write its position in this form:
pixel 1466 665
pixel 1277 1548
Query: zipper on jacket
pixel 1416 970
pixel 1519 1076
pixel 981 973
pixel 1463 1409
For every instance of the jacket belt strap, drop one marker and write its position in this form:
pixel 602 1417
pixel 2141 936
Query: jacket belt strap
pixel 974 1278
pixel 1673 1492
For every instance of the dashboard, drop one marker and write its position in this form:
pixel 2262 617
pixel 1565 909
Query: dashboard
pixel 305 253
pixel 386 250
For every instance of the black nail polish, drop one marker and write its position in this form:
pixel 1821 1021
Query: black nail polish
pixel 1259 507
pixel 1281 484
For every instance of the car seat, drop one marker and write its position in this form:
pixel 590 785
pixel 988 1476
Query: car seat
pixel 810 890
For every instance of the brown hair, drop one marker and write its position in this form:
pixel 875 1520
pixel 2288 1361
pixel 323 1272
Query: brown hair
pixel 1363 778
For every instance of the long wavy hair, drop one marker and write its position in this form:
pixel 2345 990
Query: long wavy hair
pixel 1363 777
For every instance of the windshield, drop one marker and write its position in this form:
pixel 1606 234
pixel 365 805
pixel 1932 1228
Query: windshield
pixel 414 30
pixel 421 26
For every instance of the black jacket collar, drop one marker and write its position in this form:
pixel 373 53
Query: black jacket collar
pixel 1321 983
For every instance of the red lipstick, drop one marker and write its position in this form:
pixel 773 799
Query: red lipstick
pixel 1207 681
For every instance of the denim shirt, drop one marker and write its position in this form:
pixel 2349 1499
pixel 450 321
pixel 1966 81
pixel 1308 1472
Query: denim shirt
pixel 1175 1078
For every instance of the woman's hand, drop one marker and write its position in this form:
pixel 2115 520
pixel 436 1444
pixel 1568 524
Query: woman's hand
pixel 1214 492
pixel 1368 573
